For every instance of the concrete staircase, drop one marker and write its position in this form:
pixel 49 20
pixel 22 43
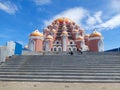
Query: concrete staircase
pixel 88 67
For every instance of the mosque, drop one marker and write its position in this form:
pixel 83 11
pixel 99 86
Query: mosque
pixel 63 34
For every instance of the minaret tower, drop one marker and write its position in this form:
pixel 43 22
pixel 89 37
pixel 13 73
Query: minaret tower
pixel 36 41
pixel 96 42
pixel 64 39
pixel 80 42
pixel 48 43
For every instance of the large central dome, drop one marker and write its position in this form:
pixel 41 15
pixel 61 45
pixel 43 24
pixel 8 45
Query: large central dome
pixel 61 20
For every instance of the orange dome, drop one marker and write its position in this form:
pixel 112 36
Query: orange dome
pixel 65 32
pixel 36 33
pixel 61 20
pixel 80 38
pixel 96 34
pixel 49 37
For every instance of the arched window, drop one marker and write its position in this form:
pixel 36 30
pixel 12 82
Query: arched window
pixel 55 49
pixel 71 42
pixel 74 49
pixel 70 49
pixel 59 49
pixel 57 42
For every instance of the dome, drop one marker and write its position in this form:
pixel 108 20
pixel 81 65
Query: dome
pixel 80 38
pixel 65 32
pixel 49 37
pixel 53 30
pixel 86 36
pixel 36 33
pixel 81 30
pixel 77 26
pixel 96 34
pixel 61 20
pixel 64 27
pixel 75 31
pixel 46 29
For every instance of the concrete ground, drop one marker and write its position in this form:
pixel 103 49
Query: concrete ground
pixel 57 86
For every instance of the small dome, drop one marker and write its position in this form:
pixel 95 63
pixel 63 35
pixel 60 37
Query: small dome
pixel 49 37
pixel 53 30
pixel 36 33
pixel 81 30
pixel 86 36
pixel 96 34
pixel 80 38
pixel 46 29
pixel 76 26
pixel 64 28
pixel 65 32
pixel 75 31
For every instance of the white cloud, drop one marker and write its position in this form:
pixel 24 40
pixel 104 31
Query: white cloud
pixel 96 18
pixel 91 21
pixel 8 7
pixel 76 14
pixel 111 23
pixel 41 2
pixel 115 4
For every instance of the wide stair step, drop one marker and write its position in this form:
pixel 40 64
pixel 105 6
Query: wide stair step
pixel 89 67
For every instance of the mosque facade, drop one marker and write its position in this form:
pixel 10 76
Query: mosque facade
pixel 63 34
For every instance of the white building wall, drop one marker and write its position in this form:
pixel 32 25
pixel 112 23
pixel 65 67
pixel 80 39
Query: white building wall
pixel 3 53
pixel 11 48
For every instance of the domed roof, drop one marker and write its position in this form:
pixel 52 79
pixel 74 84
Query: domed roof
pixel 49 37
pixel 61 20
pixel 65 32
pixel 36 33
pixel 46 29
pixel 81 30
pixel 80 38
pixel 53 30
pixel 75 31
pixel 86 36
pixel 96 34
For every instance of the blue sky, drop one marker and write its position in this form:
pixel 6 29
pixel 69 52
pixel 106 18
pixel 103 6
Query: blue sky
pixel 18 18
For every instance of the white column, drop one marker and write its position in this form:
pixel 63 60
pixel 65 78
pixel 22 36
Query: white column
pixel 100 46
pixel 46 46
pixel 31 45
pixel 76 35
pixel 64 43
